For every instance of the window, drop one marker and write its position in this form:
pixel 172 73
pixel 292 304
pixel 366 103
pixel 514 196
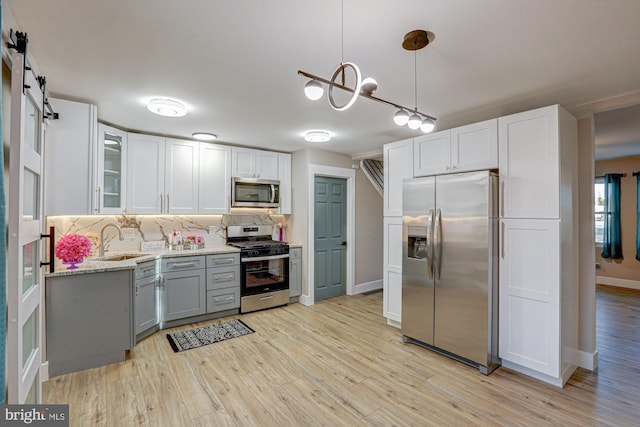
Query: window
pixel 599 209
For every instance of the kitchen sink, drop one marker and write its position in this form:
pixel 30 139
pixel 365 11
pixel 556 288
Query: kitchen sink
pixel 122 257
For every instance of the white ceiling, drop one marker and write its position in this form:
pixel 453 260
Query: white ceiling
pixel 235 62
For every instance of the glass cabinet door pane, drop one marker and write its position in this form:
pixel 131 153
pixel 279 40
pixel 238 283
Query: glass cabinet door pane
pixel 112 195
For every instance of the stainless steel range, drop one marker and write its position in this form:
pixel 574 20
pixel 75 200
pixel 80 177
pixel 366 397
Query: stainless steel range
pixel 264 267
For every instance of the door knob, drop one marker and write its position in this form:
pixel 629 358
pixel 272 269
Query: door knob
pixel 343 244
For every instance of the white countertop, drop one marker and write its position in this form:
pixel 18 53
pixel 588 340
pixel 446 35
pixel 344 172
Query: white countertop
pixel 98 264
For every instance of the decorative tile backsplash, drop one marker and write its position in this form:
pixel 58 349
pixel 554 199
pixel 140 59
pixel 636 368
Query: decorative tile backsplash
pixel 145 228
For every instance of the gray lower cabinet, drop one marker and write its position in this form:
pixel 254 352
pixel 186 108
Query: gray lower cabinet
pixel 145 312
pixel 89 320
pixel 295 272
pixel 223 282
pixel 184 287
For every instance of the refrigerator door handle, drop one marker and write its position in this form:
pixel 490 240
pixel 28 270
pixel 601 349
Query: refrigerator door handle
pixel 437 232
pixel 430 251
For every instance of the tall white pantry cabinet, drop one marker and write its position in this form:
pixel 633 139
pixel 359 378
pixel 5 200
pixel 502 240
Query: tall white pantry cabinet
pixel 536 156
pixel 398 166
pixel 539 243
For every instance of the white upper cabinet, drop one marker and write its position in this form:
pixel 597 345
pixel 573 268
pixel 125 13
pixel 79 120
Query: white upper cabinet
pixel 462 149
pixel 250 163
pixel 110 189
pixel 284 176
pixel 398 166
pixel 145 174
pixel 432 154
pixel 215 179
pixel 475 146
pixel 181 176
pixel 69 153
pixel 529 164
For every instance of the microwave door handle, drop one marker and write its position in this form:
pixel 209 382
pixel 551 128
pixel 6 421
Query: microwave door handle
pixel 273 193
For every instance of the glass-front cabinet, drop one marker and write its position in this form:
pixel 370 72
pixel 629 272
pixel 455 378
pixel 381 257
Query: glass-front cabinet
pixel 110 185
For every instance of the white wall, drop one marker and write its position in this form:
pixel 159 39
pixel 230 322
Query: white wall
pixel 586 237
pixel 368 224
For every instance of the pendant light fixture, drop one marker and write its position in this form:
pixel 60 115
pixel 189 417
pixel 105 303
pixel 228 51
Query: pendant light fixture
pixel 415 40
pixel 411 117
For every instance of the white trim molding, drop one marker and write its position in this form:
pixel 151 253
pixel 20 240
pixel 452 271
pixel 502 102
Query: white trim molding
pixel 368 287
pixel 350 176
pixel 621 283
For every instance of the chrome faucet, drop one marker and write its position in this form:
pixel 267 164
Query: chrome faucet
pixel 120 235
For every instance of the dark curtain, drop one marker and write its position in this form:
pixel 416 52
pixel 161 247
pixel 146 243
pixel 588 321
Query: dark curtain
pixel 637 175
pixel 612 240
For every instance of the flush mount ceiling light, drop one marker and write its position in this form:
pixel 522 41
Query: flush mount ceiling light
pixel 167 107
pixel 414 40
pixel 204 136
pixel 317 136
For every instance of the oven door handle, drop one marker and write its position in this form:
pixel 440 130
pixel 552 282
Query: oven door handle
pixel 264 258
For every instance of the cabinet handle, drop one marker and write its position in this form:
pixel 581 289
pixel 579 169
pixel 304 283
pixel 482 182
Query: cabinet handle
pixel 455 167
pixel 223 299
pixel 136 290
pixel 224 278
pixel 502 198
pixel 148 269
pixel 502 243
pixel 97 209
pixel 184 264
pixel 167 202
pixel 223 261
pixel 447 167
pixel 161 203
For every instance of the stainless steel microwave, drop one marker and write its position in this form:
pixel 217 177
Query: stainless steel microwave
pixel 255 193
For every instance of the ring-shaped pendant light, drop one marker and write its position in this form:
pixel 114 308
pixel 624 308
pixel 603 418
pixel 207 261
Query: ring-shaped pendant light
pixel 356 90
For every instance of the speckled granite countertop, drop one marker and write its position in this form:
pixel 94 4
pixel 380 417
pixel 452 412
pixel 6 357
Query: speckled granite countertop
pixel 98 264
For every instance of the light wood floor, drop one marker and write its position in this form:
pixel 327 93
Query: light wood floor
pixel 338 364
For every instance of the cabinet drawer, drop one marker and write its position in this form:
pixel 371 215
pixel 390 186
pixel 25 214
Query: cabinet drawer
pixel 145 269
pixel 222 260
pixel 295 252
pixel 183 263
pixel 223 277
pixel 223 299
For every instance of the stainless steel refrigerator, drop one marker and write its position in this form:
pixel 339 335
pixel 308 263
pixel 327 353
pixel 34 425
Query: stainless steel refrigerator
pixel 450 266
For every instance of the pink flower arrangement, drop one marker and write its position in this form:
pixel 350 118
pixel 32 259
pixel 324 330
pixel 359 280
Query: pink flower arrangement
pixel 73 247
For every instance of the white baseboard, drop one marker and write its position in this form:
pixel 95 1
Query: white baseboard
pixel 305 300
pixel 621 283
pixel 394 323
pixel 586 360
pixel 368 287
pixel 558 382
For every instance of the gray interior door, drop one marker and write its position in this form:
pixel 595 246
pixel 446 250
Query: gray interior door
pixel 330 239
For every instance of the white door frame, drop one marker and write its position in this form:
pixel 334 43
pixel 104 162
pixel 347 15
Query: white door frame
pixel 350 176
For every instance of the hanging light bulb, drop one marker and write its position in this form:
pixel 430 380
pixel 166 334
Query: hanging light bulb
pixel 401 117
pixel 313 90
pixel 414 121
pixel 369 85
pixel 427 125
